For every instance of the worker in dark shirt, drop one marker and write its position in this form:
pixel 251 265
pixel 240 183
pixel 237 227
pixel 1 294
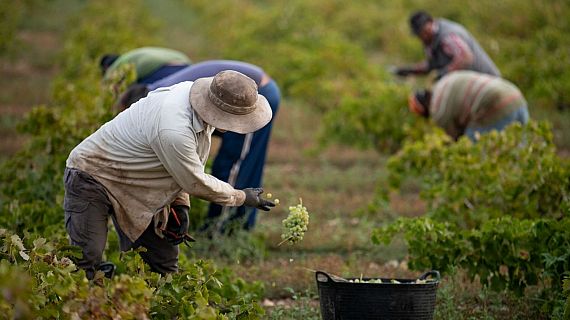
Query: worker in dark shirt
pixel 448 47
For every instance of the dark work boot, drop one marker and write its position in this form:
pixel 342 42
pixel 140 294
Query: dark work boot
pixel 108 268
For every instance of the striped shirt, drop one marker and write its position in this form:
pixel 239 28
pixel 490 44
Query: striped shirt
pixel 464 99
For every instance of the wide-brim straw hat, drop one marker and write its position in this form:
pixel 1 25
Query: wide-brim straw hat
pixel 230 101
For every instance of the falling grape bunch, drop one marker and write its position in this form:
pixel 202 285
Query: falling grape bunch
pixel 295 225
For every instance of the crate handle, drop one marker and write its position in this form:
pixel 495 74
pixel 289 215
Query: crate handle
pixel 433 273
pixel 322 276
pixel 325 277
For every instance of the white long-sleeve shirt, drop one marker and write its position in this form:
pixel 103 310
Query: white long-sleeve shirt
pixel 150 154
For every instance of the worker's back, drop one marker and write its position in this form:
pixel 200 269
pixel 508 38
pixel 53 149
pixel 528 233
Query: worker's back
pixel 481 61
pixel 209 69
pixel 147 60
pixel 464 98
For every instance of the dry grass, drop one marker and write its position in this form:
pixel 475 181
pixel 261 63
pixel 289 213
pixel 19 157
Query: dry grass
pixel 25 80
pixel 334 185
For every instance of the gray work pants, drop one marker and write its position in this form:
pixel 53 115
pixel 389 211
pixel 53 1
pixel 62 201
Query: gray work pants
pixel 87 211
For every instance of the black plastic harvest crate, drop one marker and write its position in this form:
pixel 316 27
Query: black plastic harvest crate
pixel 344 300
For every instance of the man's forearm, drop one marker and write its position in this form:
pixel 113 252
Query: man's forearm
pixel 421 68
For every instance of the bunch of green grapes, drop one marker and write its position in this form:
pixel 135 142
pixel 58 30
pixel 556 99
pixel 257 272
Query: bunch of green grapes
pixel 295 225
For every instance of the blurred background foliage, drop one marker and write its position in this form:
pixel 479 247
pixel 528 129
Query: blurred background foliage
pixel 328 53
pixel 30 199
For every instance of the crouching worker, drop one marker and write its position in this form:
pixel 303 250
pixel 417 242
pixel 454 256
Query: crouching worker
pixel 467 102
pixel 140 168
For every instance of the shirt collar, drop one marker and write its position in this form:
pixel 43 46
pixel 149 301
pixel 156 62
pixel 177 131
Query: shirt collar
pixel 435 27
pixel 198 124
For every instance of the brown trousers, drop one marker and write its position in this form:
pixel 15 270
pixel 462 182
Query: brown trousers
pixel 87 211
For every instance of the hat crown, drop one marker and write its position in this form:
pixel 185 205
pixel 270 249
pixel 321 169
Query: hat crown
pixel 233 92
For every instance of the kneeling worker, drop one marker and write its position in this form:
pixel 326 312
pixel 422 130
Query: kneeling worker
pixel 467 102
pixel 140 168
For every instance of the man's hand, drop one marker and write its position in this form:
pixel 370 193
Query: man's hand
pixel 177 225
pixel 253 199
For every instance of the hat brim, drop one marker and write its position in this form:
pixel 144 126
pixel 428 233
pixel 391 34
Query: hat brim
pixel 221 119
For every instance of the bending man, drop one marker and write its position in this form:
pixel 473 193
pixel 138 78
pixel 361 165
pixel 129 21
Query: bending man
pixel 241 157
pixel 448 47
pixel 151 63
pixel 151 156
pixel 467 102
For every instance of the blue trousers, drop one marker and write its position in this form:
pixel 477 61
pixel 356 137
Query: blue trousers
pixel 241 159
pixel 519 115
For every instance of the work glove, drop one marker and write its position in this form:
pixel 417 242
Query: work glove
pixel 403 72
pixel 176 230
pixel 254 200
